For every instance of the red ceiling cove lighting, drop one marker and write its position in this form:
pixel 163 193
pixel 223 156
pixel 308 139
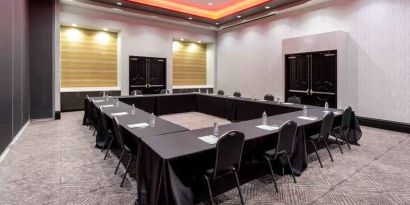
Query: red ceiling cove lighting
pixel 205 8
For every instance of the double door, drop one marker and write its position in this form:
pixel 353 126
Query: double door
pixel 147 74
pixel 312 77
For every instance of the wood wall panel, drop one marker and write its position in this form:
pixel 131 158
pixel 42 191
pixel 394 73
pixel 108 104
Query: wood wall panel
pixel 88 58
pixel 189 63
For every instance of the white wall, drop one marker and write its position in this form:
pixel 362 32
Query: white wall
pixel 249 57
pixel 137 37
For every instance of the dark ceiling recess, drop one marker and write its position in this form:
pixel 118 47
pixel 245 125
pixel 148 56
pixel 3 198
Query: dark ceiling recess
pixel 247 12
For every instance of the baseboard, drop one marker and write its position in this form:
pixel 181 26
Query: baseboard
pixel 57 115
pixel 4 153
pixel 384 124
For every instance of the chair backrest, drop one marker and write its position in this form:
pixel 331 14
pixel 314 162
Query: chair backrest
pixel 269 97
pixel 221 92
pixel 228 152
pixel 237 94
pixel 163 91
pixel 347 113
pixel 286 137
pixel 294 99
pixel 136 92
pixel 96 116
pixel 117 132
pixel 103 121
pixel 327 124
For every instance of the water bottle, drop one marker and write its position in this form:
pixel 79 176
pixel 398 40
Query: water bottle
pixel 278 100
pixel 133 109
pixel 207 91
pixel 104 95
pixel 117 102
pixel 305 111
pixel 216 128
pixel 264 118
pixel 326 106
pixel 152 120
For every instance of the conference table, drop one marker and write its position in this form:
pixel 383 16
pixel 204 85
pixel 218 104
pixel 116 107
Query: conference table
pixel 172 159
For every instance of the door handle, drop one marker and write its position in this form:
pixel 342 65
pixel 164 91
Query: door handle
pixel 322 93
pixel 299 91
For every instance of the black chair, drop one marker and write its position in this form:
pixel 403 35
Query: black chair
pixel 284 147
pixel 323 135
pixel 342 130
pixel 294 99
pixel 269 97
pixel 228 159
pixel 221 92
pixel 164 91
pixel 125 149
pixel 136 92
pixel 105 132
pixel 237 94
pixel 96 121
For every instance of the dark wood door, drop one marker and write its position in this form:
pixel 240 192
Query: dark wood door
pixel 297 77
pixel 324 78
pixel 138 72
pixel 312 77
pixel 147 74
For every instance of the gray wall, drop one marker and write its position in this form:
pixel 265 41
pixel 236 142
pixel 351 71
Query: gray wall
pixel 13 69
pixel 41 31
pixel 250 58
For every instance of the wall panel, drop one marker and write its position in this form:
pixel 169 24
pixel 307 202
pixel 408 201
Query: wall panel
pixel 189 63
pixel 88 58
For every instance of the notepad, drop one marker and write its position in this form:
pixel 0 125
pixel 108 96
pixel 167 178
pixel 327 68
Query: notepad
pixel 268 127
pixel 119 114
pixel 106 106
pixel 210 139
pixel 230 96
pixel 139 125
pixel 261 100
pixel 307 118
pixel 287 103
pixel 97 101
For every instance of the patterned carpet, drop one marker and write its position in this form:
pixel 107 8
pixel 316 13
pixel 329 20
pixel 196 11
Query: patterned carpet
pixel 55 162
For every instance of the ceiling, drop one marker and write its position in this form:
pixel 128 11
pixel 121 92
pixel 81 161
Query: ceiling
pixel 211 12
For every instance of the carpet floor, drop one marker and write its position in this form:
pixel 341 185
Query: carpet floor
pixel 55 162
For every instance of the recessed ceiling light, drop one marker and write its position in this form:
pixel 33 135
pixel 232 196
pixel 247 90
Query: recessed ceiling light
pixel 267 7
pixel 190 18
pixel 119 3
pixel 105 29
pixel 181 39
pixel 239 17
pixel 210 4
pixel 74 25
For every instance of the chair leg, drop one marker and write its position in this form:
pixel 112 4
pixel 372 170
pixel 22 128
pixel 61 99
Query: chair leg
pixel 107 138
pixel 211 198
pixel 119 162
pixel 291 168
pixel 126 170
pixel 273 175
pixel 328 150
pixel 108 148
pixel 317 154
pixel 346 140
pixel 338 144
pixel 238 185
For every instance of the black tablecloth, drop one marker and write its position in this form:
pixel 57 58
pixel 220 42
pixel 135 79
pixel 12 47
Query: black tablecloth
pixel 171 159
pixel 215 105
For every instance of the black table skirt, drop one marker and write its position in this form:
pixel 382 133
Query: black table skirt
pixel 179 181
